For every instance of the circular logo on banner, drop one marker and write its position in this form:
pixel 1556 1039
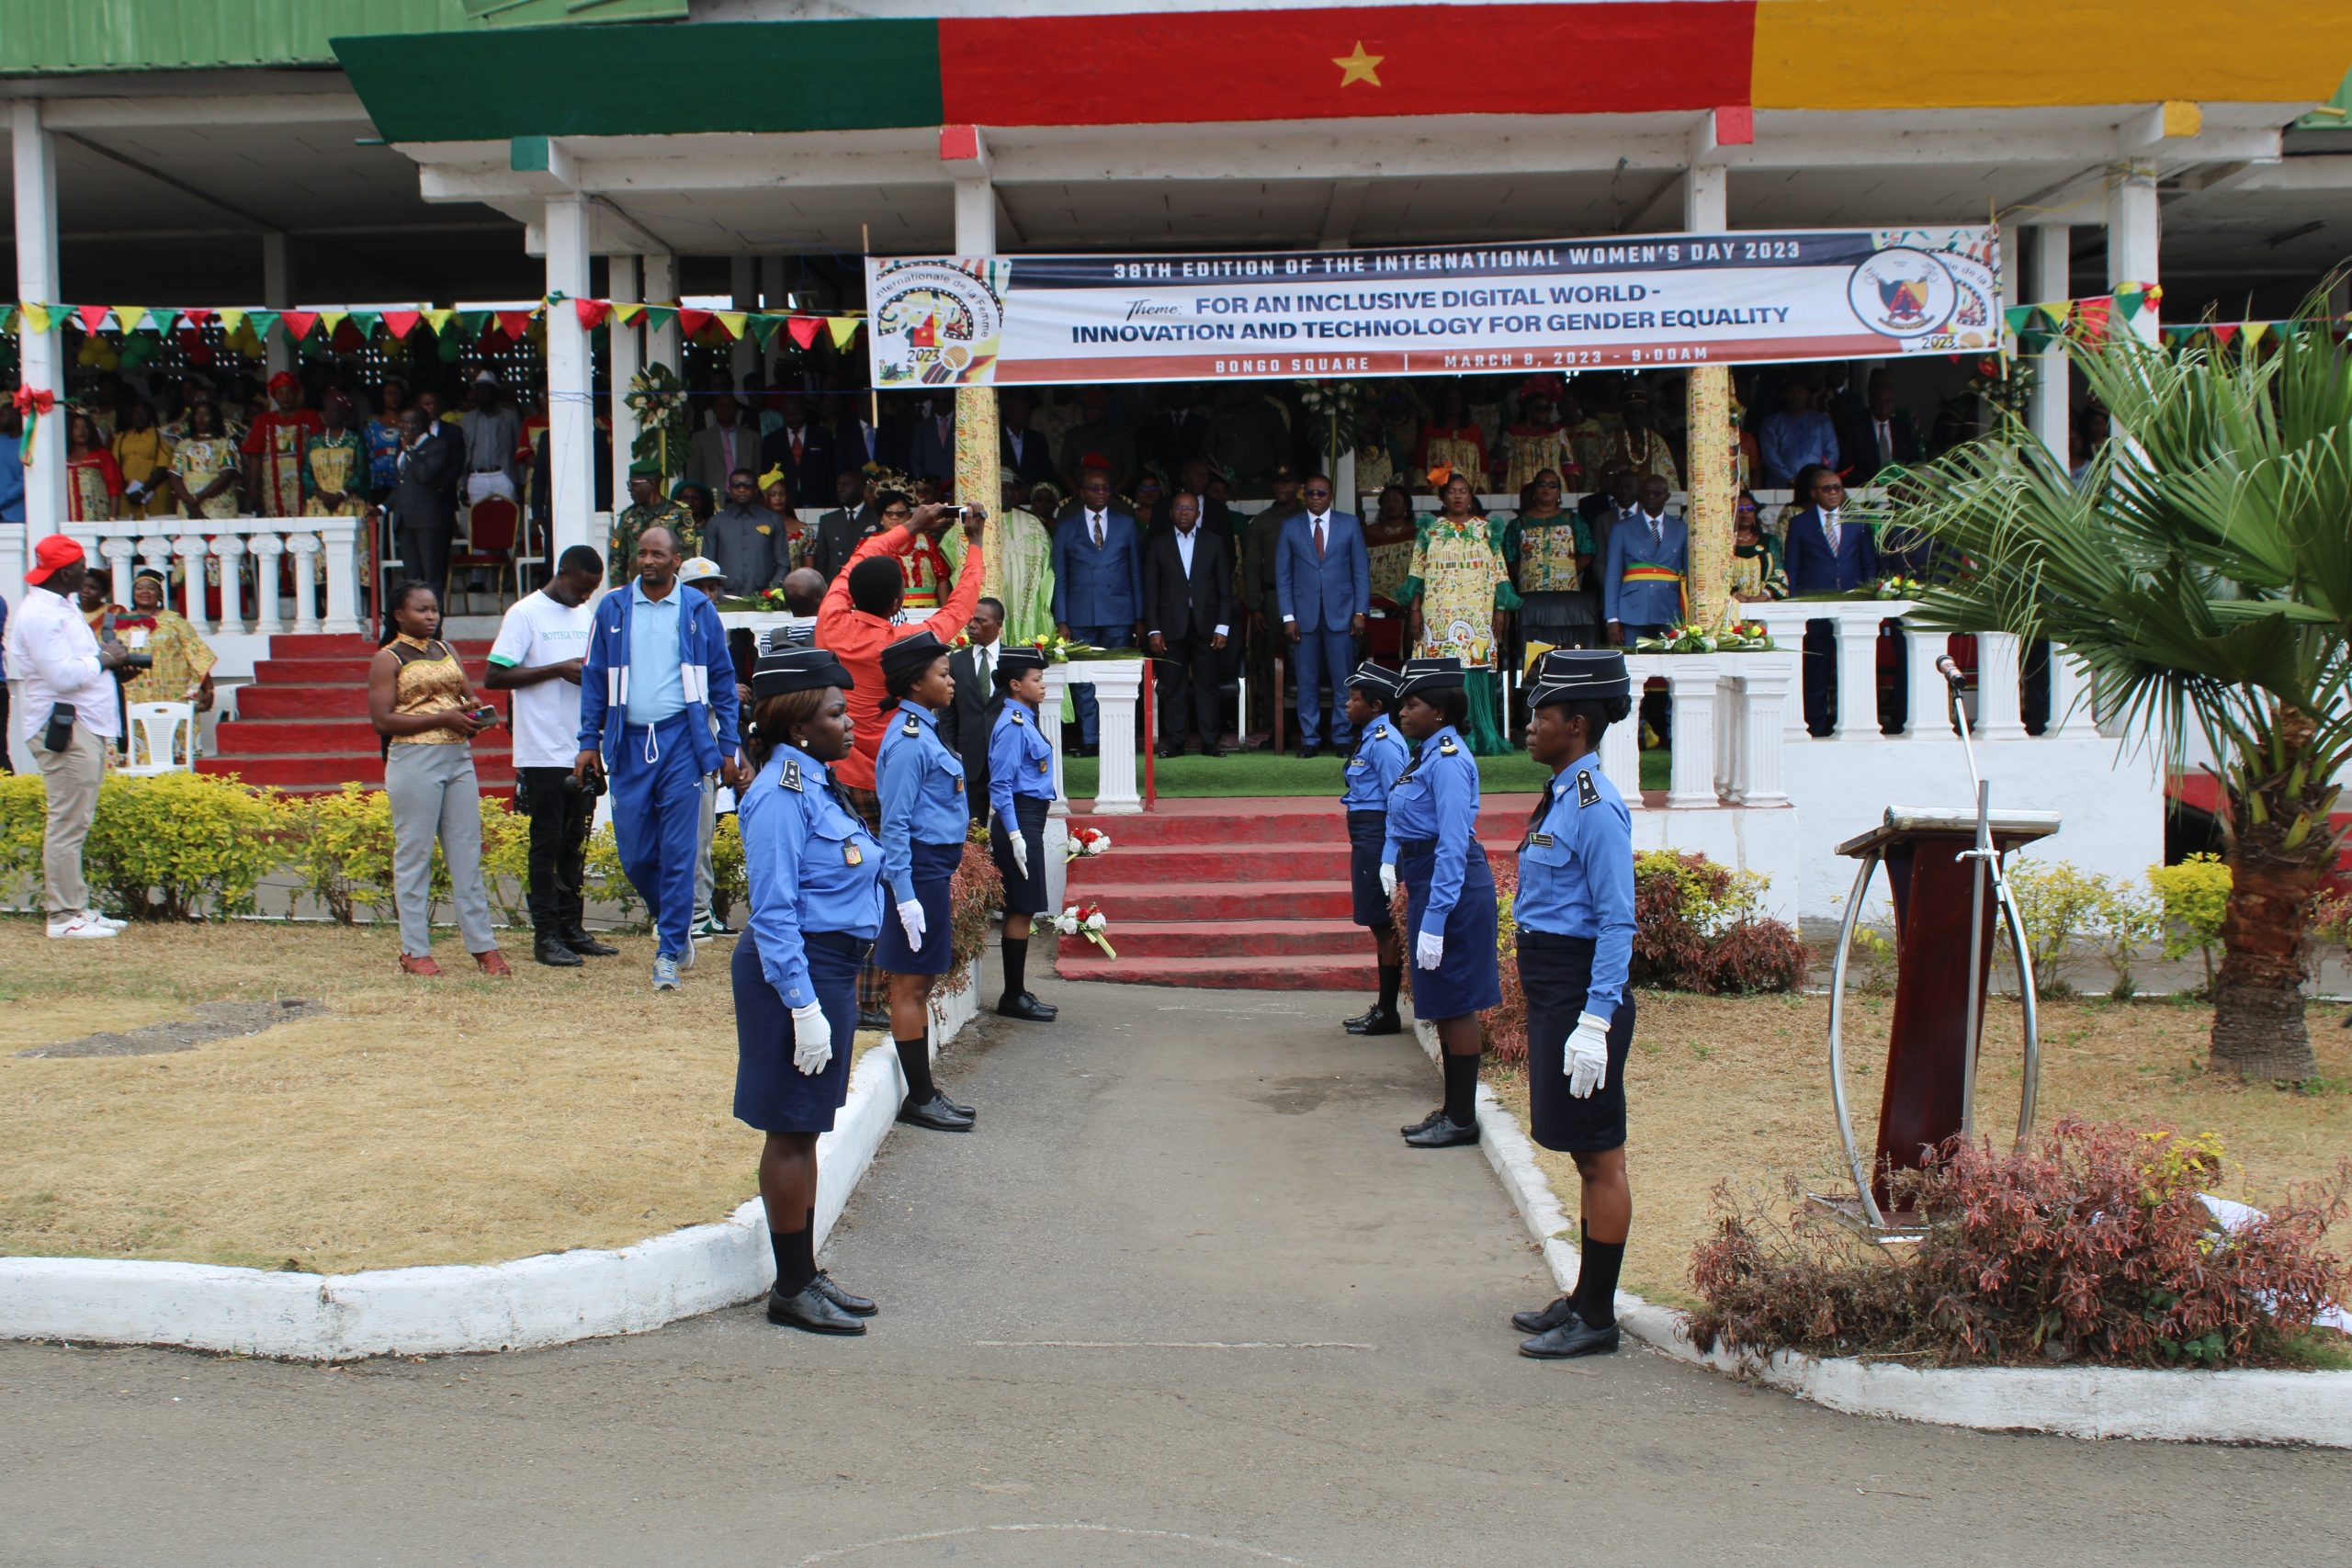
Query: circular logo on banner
pixel 1903 292
pixel 936 321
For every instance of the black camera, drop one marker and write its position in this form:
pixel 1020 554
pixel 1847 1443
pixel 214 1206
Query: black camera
pixel 138 662
pixel 586 787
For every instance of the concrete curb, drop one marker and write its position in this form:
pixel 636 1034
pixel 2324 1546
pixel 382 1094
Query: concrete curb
pixel 2076 1402
pixel 546 1300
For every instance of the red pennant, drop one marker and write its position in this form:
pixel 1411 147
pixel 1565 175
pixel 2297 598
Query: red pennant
pixel 93 317
pixel 297 324
pixel 692 321
pixel 515 324
pixel 400 324
pixel 804 328
pixel 2223 331
pixel 591 312
pixel 2092 315
pixel 196 318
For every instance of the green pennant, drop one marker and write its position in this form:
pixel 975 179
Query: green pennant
pixel 160 322
pixel 365 322
pixel 2033 343
pixel 2128 301
pixel 263 322
pixel 2289 329
pixel 2016 316
pixel 7 317
pixel 659 316
pixel 471 322
pixel 763 328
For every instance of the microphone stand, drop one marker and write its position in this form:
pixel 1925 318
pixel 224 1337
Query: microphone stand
pixel 1988 867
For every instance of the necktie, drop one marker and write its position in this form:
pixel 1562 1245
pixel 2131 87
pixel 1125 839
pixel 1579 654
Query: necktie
pixel 795 447
pixel 1094 521
pixel 1830 530
pixel 1657 532
pixel 1318 538
pixel 1885 441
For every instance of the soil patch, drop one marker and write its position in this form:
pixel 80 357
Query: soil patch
pixel 213 1021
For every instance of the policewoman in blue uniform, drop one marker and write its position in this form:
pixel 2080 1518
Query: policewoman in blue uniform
pixel 1433 847
pixel 816 897
pixel 924 818
pixel 1371 772
pixel 1020 788
pixel 1575 914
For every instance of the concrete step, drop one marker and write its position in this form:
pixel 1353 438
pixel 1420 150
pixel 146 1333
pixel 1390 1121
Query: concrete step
pixel 1223 974
pixel 1319 941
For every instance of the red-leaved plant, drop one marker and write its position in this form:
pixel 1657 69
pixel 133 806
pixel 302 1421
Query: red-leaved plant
pixel 2091 1246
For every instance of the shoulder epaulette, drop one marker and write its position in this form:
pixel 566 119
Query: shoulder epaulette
pixel 914 726
pixel 1018 719
pixel 1586 792
pixel 790 777
pixel 1446 748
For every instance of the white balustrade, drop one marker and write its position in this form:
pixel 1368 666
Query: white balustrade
pixel 1857 669
pixel 1692 682
pixel 1930 717
pixel 1621 744
pixel 1999 716
pixel 2070 698
pixel 1761 682
pixel 187 544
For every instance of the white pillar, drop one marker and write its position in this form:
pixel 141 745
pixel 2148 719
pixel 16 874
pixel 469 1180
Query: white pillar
pixel 43 354
pixel 1118 685
pixel 276 293
pixel 2070 698
pixel 572 447
pixel 976 216
pixel 2048 410
pixel 772 293
pixel 742 282
pixel 661 288
pixel 1858 673
pixel 622 362
pixel 268 547
pixel 1706 198
pixel 1999 716
pixel 1691 681
pixel 1621 744
pixel 1930 717
pixel 1764 681
pixel 2134 221
pixel 340 538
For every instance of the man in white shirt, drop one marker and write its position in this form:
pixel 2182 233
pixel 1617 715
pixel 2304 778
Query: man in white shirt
pixel 65 710
pixel 537 656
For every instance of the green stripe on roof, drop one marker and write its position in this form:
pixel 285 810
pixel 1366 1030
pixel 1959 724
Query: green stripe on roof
pixel 64 37
pixel 647 80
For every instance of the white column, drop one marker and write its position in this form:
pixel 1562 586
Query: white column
pixel 1930 717
pixel 1118 683
pixel 661 287
pixel 1691 682
pixel 1731 716
pixel 1765 680
pixel 1858 672
pixel 1621 744
pixel 976 216
pixel 1998 715
pixel 2133 223
pixel 1050 721
pixel 622 362
pixel 117 550
pixel 192 553
pixel 572 447
pixel 340 536
pixel 2047 409
pixel 771 299
pixel 309 588
pixel 1706 198
pixel 2070 698
pixel 276 293
pixel 742 282
pixel 268 547
pixel 231 549
pixel 34 157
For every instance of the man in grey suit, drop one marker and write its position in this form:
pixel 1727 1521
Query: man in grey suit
pixel 1323 588
pixel 728 445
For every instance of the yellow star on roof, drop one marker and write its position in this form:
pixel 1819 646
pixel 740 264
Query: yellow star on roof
pixel 1359 66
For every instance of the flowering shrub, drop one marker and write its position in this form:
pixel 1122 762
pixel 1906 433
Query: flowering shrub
pixel 2093 1245
pixel 1701 927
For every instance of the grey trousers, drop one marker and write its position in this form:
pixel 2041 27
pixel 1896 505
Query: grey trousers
pixel 705 875
pixel 435 795
pixel 71 779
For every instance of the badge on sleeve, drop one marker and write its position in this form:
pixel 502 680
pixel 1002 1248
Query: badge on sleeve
pixel 1541 841
pixel 1587 793
pixel 790 777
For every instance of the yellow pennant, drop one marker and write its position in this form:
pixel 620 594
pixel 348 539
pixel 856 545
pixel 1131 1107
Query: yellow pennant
pixel 438 321
pixel 127 318
pixel 731 321
pixel 843 329
pixel 39 318
pixel 331 319
pixel 2254 332
pixel 231 321
pixel 627 313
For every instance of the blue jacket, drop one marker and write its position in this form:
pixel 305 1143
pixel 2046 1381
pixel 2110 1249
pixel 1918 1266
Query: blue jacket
pixel 1020 760
pixel 920 784
pixel 1813 567
pixel 810 865
pixel 1322 595
pixel 1098 588
pixel 1644 603
pixel 1381 755
pixel 1437 798
pixel 1575 875
pixel 706 668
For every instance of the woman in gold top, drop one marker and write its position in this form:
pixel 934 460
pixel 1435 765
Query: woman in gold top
pixel 181 670
pixel 427 712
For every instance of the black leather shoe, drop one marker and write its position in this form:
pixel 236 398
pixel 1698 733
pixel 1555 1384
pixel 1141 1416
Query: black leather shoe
pixel 1049 1009
pixel 1379 1021
pixel 960 1109
pixel 1548 1319
pixel 1574 1337
pixel 580 942
pixel 1082 750
pixel 1164 753
pixel 551 952
pixel 1307 753
pixel 856 1306
pixel 879 1021
pixel 1425 1124
pixel 936 1115
pixel 1355 1025
pixel 1443 1135
pixel 811 1310
pixel 1025 1007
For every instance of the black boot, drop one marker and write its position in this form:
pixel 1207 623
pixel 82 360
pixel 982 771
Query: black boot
pixel 580 942
pixel 549 949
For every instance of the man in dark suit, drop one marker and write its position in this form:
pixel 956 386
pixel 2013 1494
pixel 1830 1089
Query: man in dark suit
pixel 1188 604
pixel 1174 434
pixel 1880 436
pixel 858 441
pixel 842 530
pixel 804 450
pixel 1097 586
pixel 1026 455
pixel 1826 552
pixel 930 441
pixel 422 504
pixel 1323 588
pixel 963 722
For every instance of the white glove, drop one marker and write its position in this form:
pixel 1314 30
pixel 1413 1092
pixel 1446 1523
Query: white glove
pixel 1429 949
pixel 1388 882
pixel 910 922
pixel 1585 1060
pixel 812 1039
pixel 1021 852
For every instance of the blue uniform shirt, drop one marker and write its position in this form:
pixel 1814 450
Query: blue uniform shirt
pixel 1437 798
pixel 1020 760
pixel 921 785
pixel 1575 875
pixel 812 865
pixel 1371 772
pixel 656 689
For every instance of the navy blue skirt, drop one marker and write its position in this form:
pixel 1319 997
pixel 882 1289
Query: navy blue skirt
pixel 1556 973
pixel 770 1092
pixel 1024 894
pixel 1467 978
pixel 934 869
pixel 1367 833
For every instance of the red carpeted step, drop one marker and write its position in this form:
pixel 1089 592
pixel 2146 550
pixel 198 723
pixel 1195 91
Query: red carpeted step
pixel 351 645
pixel 494 770
pixel 294 737
pixel 342 671
pixel 1280 821
pixel 264 701
pixel 1238 974
pixel 1223 901
pixel 1263 865
pixel 1322 941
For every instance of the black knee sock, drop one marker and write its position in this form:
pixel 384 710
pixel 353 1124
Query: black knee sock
pixel 796 1259
pixel 1390 976
pixel 914 1060
pixel 1597 1283
pixel 1461 1089
pixel 1016 964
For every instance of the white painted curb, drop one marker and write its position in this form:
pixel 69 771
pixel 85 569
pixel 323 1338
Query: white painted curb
pixel 2076 1402
pixel 547 1300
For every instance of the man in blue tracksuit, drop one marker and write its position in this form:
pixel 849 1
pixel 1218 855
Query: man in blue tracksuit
pixel 656 713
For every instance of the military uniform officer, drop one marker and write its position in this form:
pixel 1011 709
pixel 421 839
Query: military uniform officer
pixel 1380 756
pixel 647 508
pixel 1020 788
pixel 1575 915
pixel 1433 847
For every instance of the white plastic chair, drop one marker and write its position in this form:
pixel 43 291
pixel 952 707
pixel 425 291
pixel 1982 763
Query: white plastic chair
pixel 155 730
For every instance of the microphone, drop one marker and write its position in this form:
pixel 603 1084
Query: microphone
pixel 1950 672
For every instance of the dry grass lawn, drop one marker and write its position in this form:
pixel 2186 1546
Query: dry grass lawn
pixel 458 1120
pixel 1737 1089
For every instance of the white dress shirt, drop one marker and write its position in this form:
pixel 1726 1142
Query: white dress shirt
pixel 52 656
pixel 1186 538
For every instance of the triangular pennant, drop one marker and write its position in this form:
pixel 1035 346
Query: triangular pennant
pixel 844 329
pixel 471 322
pixel 197 318
pixel 39 318
pixel 731 322
pixel 2015 317
pixel 92 317
pixel 2253 330
pixel 691 320
pixel 2223 331
pixel 764 329
pixel 659 316
pixel 2031 342
pixel 231 322
pixel 514 323
pixel 2091 317
pixel 2288 330
pixel 591 312
pixel 7 317
pixel 2127 302
pixel 331 319
pixel 806 328
pixel 366 321
pixel 437 319
pixel 161 321
pixel 400 324
pixel 261 322
pixel 299 324
pixel 626 312
pixel 2056 312
pixel 127 318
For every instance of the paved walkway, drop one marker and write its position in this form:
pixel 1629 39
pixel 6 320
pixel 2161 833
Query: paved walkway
pixel 1183 1298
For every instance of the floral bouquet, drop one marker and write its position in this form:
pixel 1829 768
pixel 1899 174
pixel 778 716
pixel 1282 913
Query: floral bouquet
pixel 1744 637
pixel 1086 842
pixel 1901 588
pixel 659 399
pixel 1336 405
pixel 1089 921
pixel 1685 639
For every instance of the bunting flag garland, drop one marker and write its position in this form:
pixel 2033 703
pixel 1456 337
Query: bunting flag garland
pixel 591 313
pixel 804 328
pixel 626 312
pixel 515 324
pixel 263 321
pixel 732 323
pixel 691 320
pixel 764 329
pixel 299 322
pixel 659 316
pixel 7 317
pixel 400 324
pixel 844 329
pixel 93 317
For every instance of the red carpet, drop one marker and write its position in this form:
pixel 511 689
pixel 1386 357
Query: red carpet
pixel 302 725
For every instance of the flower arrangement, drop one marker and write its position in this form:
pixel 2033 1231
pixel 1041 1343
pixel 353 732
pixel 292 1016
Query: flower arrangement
pixel 1336 405
pixel 1086 842
pixel 659 399
pixel 1737 636
pixel 1089 921
pixel 1901 587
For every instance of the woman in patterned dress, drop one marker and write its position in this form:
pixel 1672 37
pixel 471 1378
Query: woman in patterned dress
pixel 93 481
pixel 334 464
pixel 1459 590
pixel 1550 552
pixel 1450 440
pixel 1537 444
pixel 206 467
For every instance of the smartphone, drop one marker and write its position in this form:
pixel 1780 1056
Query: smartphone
pixel 485 715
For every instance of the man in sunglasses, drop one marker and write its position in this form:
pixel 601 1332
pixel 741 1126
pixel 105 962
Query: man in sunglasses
pixel 741 538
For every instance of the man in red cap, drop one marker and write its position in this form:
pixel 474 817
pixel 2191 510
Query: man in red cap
pixel 274 447
pixel 68 719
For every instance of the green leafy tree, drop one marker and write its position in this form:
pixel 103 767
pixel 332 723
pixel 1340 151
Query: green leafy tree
pixel 2202 572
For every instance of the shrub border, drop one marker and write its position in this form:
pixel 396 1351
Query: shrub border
pixel 2249 1406
pixel 550 1299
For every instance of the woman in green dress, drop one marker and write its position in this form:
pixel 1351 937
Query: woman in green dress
pixel 1460 595
pixel 1549 550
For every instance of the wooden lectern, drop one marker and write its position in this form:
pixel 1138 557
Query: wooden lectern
pixel 1939 887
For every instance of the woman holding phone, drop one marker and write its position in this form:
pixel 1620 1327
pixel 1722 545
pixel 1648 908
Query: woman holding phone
pixel 426 709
